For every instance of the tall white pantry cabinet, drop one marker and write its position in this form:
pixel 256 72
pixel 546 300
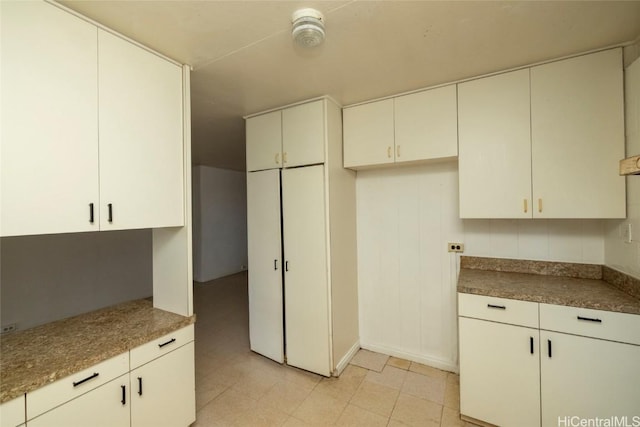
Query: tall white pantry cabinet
pixel 303 302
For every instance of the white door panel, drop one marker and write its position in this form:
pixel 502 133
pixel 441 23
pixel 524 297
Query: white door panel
pixel 306 282
pixel 265 264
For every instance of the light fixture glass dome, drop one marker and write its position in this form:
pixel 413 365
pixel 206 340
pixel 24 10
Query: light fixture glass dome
pixel 308 27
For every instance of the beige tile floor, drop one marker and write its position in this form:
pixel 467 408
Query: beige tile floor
pixel 236 387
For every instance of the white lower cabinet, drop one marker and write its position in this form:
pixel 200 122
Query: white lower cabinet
pixel 580 364
pixel 499 362
pixel 12 413
pixel 163 389
pixel 105 406
pixel 499 373
pixel 152 385
pixel 588 378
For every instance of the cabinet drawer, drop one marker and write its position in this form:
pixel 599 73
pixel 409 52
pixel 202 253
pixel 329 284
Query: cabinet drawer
pixel 63 390
pixel 606 325
pixel 522 313
pixel 158 347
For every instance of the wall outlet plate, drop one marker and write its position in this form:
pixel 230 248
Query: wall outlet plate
pixel 455 247
pixel 9 328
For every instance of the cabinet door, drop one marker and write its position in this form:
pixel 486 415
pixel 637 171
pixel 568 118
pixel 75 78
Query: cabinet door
pixel 141 158
pixel 426 125
pixel 264 141
pixel 163 390
pixel 495 147
pixel 577 123
pixel 266 333
pixel 12 413
pixel 49 132
pixel 306 280
pixel 588 378
pixel 303 134
pixel 499 373
pixel 368 134
pixel 105 406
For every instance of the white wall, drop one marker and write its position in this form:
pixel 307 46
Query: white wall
pixel 621 255
pixel 220 222
pixel 50 277
pixel 406 277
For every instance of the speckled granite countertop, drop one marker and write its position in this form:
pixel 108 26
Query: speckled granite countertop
pixel 575 285
pixel 34 357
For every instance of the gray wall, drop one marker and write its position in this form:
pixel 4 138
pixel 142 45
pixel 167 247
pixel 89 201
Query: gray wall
pixel 50 277
pixel 219 222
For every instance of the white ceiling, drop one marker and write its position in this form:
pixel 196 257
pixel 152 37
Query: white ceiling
pixel 244 60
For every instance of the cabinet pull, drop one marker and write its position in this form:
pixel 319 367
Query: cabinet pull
pixel 275 264
pixel 526 207
pixel 89 378
pixel 284 157
pixel 277 158
pixel 110 212
pixel 389 152
pixel 540 205
pixel 398 151
pixel 139 386
pixel 549 347
pixel 499 307
pixel 91 213
pixel 286 266
pixel 590 319
pixel 531 345
pixel 124 395
pixel 172 340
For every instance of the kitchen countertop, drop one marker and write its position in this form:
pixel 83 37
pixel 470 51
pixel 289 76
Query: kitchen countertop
pixel 544 282
pixel 34 357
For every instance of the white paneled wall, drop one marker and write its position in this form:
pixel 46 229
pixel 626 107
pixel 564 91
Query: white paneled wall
pixel 406 277
pixel 620 254
pixel 578 240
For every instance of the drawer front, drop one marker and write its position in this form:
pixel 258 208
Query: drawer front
pixel 12 412
pixel 621 327
pixel 65 389
pixel 514 312
pixel 158 347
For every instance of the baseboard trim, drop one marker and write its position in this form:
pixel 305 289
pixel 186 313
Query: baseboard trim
pixel 436 362
pixel 346 359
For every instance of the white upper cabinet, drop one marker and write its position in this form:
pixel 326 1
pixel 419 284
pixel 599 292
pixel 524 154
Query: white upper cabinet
pixel 368 134
pixel 290 137
pixel 552 153
pixel 409 128
pixel 426 125
pixel 577 124
pixel 264 141
pixel 303 134
pixel 140 106
pixel 92 128
pixel 495 147
pixel 49 145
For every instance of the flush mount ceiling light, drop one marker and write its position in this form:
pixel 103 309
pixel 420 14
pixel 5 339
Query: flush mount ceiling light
pixel 308 27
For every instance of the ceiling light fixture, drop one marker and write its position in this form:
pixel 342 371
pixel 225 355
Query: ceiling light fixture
pixel 308 27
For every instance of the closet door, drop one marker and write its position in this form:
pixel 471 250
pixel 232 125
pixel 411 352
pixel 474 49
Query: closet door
pixel 306 279
pixel 266 333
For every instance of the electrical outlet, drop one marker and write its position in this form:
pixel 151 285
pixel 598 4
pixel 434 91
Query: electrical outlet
pixel 9 328
pixel 455 247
